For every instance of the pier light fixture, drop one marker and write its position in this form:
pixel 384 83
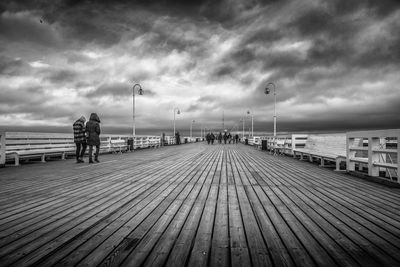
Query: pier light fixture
pixel 139 92
pixel 176 111
pixel 191 126
pixel 242 120
pixel 267 91
pixel 250 112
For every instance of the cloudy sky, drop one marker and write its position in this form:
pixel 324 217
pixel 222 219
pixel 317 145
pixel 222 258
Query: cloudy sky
pixel 335 64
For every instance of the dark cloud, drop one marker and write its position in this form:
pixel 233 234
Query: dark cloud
pixel 11 66
pixel 25 26
pixel 117 90
pixel 62 76
pixel 12 100
pixel 110 89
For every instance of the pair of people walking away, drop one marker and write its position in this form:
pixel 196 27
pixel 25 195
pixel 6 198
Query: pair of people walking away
pixel 88 135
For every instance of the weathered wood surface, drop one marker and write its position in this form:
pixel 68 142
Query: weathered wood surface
pixel 195 205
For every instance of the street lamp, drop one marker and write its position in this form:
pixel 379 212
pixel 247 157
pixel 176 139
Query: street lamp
pixel 191 126
pixel 250 111
pixel 242 120
pixel 176 111
pixel 139 92
pixel 267 91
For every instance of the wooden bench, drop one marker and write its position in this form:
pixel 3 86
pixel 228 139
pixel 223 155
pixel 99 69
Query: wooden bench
pixel 117 143
pixel 15 146
pixel 376 150
pixel 325 147
pixel 146 142
pixel 255 141
pixel 26 145
pixel 154 141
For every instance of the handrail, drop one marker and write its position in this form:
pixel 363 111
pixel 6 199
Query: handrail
pixel 2 148
pixel 13 143
pixel 285 143
pixel 377 156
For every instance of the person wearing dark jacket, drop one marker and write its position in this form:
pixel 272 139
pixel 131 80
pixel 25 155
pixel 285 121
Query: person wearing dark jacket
pixel 80 138
pixel 93 136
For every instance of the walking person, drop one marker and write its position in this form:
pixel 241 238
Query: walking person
pixel 80 138
pixel 177 138
pixel 93 136
pixel 236 138
pixel 212 136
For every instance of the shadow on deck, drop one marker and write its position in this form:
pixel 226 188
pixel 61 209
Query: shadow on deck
pixel 195 205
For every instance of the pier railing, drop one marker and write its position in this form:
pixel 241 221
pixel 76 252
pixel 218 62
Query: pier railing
pixel 283 143
pixel 26 145
pixel 378 151
pixel 2 149
pixel 374 152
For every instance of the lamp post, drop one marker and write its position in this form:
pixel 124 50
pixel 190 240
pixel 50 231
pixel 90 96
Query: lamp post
pixel 267 91
pixel 250 111
pixel 139 92
pixel 176 111
pixel 191 126
pixel 243 127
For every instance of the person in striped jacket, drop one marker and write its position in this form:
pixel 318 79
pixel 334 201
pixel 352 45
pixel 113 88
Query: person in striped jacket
pixel 80 138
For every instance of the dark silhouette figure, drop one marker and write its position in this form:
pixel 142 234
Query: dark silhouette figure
pixel 177 138
pixel 80 138
pixel 93 136
pixel 236 138
pixel 208 138
pixel 212 138
pixel 219 138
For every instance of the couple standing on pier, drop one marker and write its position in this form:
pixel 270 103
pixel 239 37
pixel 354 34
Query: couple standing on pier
pixel 87 135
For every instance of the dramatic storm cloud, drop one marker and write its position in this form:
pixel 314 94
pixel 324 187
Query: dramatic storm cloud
pixel 335 64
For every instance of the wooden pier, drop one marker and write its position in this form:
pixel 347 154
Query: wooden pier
pixel 195 205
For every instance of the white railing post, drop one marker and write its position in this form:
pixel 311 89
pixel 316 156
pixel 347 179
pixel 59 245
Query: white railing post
pixel 2 148
pixel 350 165
pixel 373 143
pixel 398 157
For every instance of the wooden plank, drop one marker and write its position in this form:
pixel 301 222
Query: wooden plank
pixel 180 251
pixel 162 248
pixel 220 253
pixel 128 236
pixel 380 258
pixel 259 252
pixel 195 205
pixel 202 244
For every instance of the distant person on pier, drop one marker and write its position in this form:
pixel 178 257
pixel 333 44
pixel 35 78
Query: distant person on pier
pixel 212 136
pixel 177 138
pixel 208 138
pixel 229 138
pixel 225 137
pixel 93 136
pixel 80 138
pixel 236 138
pixel 219 138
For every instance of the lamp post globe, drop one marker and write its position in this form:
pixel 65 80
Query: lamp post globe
pixel 267 91
pixel 139 91
pixel 191 126
pixel 176 111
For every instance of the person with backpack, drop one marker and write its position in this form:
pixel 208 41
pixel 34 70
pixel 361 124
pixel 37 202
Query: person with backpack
pixel 93 136
pixel 80 138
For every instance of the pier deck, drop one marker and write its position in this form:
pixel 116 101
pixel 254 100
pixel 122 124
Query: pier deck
pixel 195 205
